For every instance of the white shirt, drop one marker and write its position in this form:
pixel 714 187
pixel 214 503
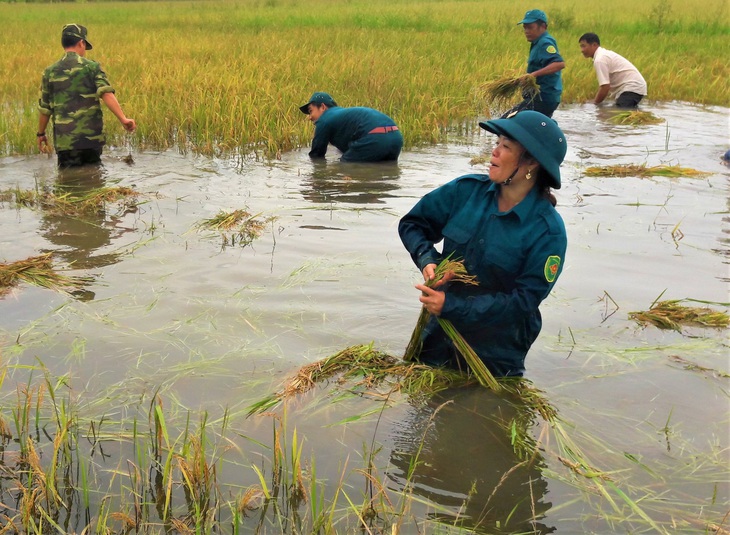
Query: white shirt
pixel 618 72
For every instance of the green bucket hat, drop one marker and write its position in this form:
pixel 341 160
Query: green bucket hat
pixel 539 135
pixel 318 97
pixel 76 30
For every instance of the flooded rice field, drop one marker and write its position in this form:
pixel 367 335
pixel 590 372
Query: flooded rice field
pixel 191 319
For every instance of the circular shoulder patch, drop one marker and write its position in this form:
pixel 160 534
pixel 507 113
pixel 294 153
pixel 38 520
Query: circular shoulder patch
pixel 551 49
pixel 552 264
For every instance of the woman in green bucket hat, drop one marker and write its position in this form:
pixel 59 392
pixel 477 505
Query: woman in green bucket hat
pixel 506 230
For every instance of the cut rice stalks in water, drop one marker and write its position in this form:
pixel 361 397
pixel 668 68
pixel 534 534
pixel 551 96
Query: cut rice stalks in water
pixel 37 270
pixel 456 273
pixel 635 118
pixel 368 368
pixel 643 171
pixel 500 94
pixel 243 226
pixel 72 203
pixel 672 315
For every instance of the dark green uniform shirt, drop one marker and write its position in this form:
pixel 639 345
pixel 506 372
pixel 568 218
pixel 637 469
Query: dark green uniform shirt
pixel 70 93
pixel 543 52
pixel 344 126
pixel 516 256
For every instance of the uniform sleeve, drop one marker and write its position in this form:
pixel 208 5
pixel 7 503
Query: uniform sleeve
pixel 602 71
pixel 421 228
pixel 541 268
pixel 44 102
pixel 101 81
pixel 321 139
pixel 550 53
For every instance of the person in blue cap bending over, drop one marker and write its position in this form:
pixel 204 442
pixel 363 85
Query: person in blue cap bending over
pixel 544 63
pixel 361 134
pixel 506 230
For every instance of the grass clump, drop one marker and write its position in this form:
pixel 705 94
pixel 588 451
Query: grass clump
pixel 643 171
pixel 38 271
pixel 500 94
pixel 672 315
pixel 236 226
pixel 635 118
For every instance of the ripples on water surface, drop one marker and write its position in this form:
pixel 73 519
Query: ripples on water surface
pixel 210 326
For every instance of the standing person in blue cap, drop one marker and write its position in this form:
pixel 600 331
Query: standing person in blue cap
pixel 361 134
pixel 544 63
pixel 505 229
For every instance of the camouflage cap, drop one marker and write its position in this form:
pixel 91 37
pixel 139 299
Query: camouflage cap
pixel 76 30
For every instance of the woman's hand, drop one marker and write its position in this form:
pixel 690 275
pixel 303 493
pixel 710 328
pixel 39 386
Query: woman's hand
pixel 433 300
pixel 429 272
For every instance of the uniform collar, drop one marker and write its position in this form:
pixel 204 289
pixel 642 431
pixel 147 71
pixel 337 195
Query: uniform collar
pixel 524 207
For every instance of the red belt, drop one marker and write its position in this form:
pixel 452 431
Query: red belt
pixel 383 129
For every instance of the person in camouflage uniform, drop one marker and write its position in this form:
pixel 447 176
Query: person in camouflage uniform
pixel 71 90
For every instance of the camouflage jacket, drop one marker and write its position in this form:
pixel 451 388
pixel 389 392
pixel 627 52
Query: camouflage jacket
pixel 70 93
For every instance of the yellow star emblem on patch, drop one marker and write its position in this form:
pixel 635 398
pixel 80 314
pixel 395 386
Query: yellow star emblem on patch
pixel 551 49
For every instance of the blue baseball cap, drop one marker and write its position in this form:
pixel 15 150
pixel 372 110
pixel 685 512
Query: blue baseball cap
pixel 534 15
pixel 539 135
pixel 319 97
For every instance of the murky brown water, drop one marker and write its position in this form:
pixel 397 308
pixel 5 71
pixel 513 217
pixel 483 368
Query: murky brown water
pixel 211 326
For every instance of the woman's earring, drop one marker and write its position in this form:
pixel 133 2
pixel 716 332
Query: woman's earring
pixel 528 176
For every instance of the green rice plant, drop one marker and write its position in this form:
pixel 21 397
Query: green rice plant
pixel 643 171
pixel 635 118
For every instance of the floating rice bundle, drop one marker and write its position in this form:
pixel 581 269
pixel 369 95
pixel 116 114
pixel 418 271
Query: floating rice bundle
pixel 37 270
pixel 458 274
pixel 71 202
pixel 635 117
pixel 368 368
pixel 243 226
pixel 672 315
pixel 642 171
pixel 500 94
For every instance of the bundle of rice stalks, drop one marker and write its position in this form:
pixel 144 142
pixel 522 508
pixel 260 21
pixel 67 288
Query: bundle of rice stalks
pixel 672 315
pixel 243 226
pixel 457 273
pixel 37 270
pixel 72 203
pixel 635 117
pixel 500 94
pixel 643 171
pixel 368 368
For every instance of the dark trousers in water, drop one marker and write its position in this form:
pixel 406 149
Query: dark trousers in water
pixel 628 99
pixel 536 104
pixel 439 351
pixel 375 147
pixel 78 157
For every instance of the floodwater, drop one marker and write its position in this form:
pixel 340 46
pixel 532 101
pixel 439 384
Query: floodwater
pixel 174 310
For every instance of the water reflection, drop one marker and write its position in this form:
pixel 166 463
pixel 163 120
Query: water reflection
pixel 351 182
pixel 468 465
pixel 78 235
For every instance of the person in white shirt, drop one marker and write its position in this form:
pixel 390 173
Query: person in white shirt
pixel 617 76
